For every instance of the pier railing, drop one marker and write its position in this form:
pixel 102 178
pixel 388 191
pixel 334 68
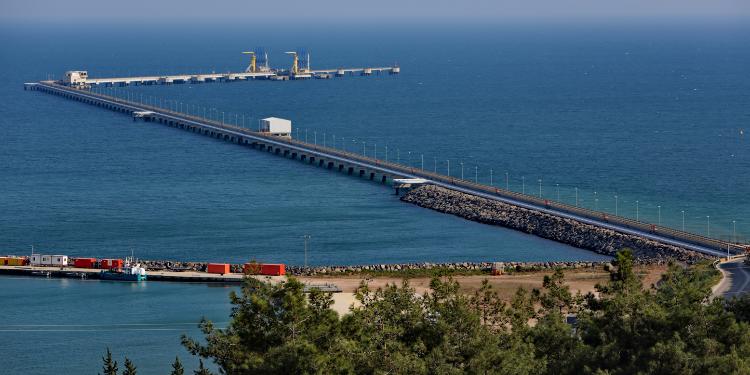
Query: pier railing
pixel 511 196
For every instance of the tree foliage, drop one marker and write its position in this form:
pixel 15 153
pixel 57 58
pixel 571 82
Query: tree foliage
pixel 622 328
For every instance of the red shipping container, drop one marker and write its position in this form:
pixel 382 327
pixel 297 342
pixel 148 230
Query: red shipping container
pixel 220 268
pixel 84 263
pixel 111 263
pixel 272 269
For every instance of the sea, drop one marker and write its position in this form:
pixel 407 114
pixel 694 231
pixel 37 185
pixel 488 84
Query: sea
pixel 641 119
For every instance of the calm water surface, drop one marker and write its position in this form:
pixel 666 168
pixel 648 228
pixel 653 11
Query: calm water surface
pixel 651 114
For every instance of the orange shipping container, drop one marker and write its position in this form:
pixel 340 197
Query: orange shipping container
pixel 272 269
pixel 220 268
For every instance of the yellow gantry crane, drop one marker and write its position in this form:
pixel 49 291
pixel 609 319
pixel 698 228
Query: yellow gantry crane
pixel 251 68
pixel 295 63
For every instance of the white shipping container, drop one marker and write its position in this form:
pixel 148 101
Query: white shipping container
pixel 276 126
pixel 36 259
pixel 46 260
pixel 59 260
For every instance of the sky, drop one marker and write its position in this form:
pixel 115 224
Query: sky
pixel 312 11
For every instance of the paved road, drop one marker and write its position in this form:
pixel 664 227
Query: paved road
pixel 736 279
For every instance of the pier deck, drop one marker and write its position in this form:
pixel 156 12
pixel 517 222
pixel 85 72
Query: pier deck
pixel 385 171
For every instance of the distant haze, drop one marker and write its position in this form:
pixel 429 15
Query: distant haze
pixel 312 11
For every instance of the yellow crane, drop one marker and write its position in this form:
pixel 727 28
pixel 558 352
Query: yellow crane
pixel 295 63
pixel 250 68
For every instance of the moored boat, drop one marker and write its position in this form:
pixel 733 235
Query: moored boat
pixel 131 271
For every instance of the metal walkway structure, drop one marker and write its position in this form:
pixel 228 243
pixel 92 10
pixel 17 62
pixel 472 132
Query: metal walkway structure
pixel 386 171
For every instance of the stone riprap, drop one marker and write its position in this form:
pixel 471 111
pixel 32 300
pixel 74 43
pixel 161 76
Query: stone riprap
pixel 563 230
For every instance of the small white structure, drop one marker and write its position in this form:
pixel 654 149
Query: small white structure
pixel 59 260
pixel 76 77
pixel 276 126
pixel 49 260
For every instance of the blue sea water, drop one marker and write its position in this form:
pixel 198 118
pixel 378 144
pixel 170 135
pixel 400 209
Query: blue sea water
pixel 654 114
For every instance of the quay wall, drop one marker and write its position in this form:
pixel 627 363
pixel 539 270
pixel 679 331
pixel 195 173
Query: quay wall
pixel 556 228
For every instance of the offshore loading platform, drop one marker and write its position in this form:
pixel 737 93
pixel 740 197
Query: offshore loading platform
pixel 258 68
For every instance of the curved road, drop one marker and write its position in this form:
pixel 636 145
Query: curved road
pixel 735 281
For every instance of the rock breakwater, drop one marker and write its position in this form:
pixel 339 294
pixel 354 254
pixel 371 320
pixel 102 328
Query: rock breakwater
pixel 563 230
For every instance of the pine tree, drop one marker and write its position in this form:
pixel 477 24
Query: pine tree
pixel 109 367
pixel 201 369
pixel 129 367
pixel 177 368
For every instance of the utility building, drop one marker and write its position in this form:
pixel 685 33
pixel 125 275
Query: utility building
pixel 76 77
pixel 276 126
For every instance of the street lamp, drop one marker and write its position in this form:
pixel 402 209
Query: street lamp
pixel 576 197
pixel 307 238
pixel 708 226
pixel 540 188
pixel 462 170
pixel 523 184
pixel 659 213
pixel 449 167
pixel 557 187
pixel 490 176
pixel 507 183
pixel 615 204
pixel 734 231
pixel 476 174
pixel 422 156
pixel 683 220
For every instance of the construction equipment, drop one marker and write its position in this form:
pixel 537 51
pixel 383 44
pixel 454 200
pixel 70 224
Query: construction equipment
pixel 250 68
pixel 295 63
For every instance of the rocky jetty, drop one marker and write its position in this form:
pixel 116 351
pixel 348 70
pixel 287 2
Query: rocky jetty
pixel 458 267
pixel 567 231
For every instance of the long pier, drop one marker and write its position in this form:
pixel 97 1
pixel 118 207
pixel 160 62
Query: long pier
pixel 385 171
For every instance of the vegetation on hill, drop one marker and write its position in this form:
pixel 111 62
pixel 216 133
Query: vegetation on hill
pixel 623 329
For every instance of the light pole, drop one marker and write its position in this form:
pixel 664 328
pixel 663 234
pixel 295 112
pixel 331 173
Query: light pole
pixel 324 139
pixel 734 231
pixel 434 169
pixel 306 135
pixel 476 174
pixel 557 187
pixel 315 137
pixel 364 148
pixel 386 153
pixel 398 156
pixel 307 238
pixel 683 220
pixel 375 151
pixel 409 162
pixel 615 204
pixel 540 188
pixel 659 213
pixel 449 167
pixel 462 170
pixel 523 184
pixel 708 226
pixel 576 197
pixel 490 176
pixel 422 156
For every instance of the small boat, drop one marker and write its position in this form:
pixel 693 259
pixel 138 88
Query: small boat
pixel 131 271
